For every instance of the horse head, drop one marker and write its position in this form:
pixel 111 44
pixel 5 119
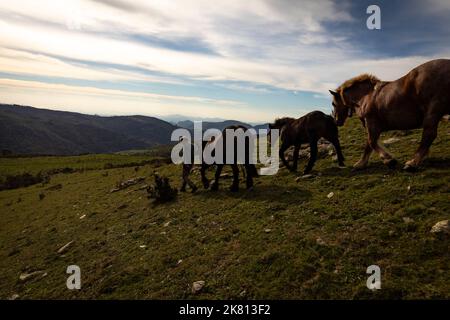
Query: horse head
pixel 347 97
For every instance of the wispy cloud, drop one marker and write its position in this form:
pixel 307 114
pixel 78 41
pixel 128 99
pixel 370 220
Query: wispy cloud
pixel 245 48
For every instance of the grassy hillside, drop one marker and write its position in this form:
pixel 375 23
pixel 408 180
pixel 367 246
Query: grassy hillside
pixel 285 239
pixel 27 130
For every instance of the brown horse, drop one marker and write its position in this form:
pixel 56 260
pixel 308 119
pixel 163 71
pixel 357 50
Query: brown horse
pixel 250 169
pixel 417 100
pixel 307 129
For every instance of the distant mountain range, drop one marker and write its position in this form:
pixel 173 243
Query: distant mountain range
pixel 188 124
pixel 175 118
pixel 28 130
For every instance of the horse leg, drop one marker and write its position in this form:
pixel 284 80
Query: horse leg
pixel 429 133
pixel 295 155
pixel 362 163
pixel 215 185
pixel 249 176
pixel 205 180
pixel 313 154
pixel 243 169
pixel 283 149
pixel 235 185
pixel 372 140
pixel 374 134
pixel 183 186
pixel 385 156
pixel 337 146
pixel 186 181
pixel 184 176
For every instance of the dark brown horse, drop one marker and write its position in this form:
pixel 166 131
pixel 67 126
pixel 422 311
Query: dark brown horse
pixel 307 129
pixel 417 100
pixel 250 169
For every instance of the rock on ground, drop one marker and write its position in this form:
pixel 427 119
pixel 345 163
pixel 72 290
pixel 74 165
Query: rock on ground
pixel 442 227
pixel 197 286
pixel 65 247
pixel 28 276
pixel 391 141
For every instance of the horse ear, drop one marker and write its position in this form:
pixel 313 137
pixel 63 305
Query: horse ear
pixel 334 93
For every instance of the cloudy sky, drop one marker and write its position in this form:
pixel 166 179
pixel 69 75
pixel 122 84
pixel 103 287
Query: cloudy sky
pixel 249 60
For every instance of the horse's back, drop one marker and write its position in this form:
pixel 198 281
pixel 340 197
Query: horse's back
pixel 432 84
pixel 319 120
pixel 422 93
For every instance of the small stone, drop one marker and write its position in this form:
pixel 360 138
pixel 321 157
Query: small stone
pixel 28 276
pixel 330 195
pixel 82 217
pixel 65 247
pixel 143 246
pixel 197 286
pixel 320 242
pixel 267 230
pixel 391 141
pixel 167 224
pixel 15 296
pixel 407 220
pixel 442 227
pixel 179 262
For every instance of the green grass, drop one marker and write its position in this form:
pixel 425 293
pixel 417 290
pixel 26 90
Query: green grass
pixel 34 165
pixel 316 248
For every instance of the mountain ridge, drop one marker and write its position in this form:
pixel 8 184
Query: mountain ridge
pixel 29 130
pixel 26 130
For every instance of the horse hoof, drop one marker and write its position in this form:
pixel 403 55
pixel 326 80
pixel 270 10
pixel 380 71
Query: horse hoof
pixel 410 168
pixel 391 163
pixel 194 190
pixel 342 166
pixel 234 189
pixel 214 187
pixel 250 188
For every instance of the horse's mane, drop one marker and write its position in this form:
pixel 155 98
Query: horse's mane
pixel 280 122
pixel 361 78
pixel 356 80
